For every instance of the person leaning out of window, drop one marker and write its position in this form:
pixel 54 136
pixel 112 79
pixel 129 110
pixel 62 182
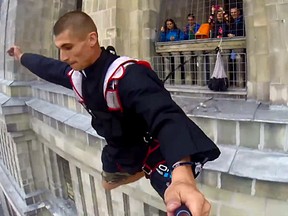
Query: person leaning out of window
pixel 191 28
pixel 170 32
pixel 236 27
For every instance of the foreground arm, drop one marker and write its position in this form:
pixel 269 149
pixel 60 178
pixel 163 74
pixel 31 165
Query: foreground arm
pixel 180 139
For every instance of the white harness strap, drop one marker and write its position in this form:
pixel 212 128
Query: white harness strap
pixel 114 73
pixel 76 81
pixel 112 70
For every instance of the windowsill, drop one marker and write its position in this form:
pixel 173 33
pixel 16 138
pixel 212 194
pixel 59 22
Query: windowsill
pixel 200 45
pixel 178 89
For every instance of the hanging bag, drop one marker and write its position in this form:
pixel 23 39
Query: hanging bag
pixel 219 80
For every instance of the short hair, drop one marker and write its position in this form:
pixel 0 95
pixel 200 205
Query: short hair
pixel 77 21
pixel 191 15
pixel 238 9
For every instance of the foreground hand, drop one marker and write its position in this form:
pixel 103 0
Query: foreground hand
pixel 188 194
pixel 15 52
pixel 183 190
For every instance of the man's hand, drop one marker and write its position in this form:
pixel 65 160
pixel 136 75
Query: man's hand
pixel 230 35
pixel 183 190
pixel 15 52
pixel 213 9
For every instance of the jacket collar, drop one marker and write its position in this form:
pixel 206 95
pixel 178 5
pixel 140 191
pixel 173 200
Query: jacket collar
pixel 101 65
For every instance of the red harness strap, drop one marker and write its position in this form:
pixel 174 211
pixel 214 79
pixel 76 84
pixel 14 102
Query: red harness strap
pixel 151 161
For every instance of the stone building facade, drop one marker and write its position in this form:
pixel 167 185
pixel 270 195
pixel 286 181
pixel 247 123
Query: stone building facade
pixel 50 155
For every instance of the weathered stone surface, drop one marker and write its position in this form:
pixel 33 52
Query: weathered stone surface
pixel 276 191
pixel 274 207
pixel 236 184
pixel 56 112
pixel 275 136
pixel 276 114
pixel 249 134
pixel 260 165
pixel 226 132
pixel 223 163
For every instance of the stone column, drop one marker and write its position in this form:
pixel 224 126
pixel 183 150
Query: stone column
pixel 267 50
pixel 188 67
pixel 137 207
pixel 177 68
pixel 240 60
pixel 212 62
pixel 257 49
pixel 53 172
pixel 129 27
pixel 166 65
pixel 77 187
pixel 276 14
pixel 88 194
pixel 200 69
pixel 100 196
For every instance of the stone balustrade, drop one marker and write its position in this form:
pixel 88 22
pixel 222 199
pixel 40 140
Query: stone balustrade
pixel 191 63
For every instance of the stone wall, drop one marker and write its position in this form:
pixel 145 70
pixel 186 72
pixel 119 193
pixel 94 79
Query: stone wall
pixel 267 28
pixel 128 25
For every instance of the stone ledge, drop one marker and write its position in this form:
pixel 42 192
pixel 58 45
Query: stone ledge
pixel 15 88
pixel 253 164
pixel 233 110
pixel 238 161
pixel 204 90
pixel 63 115
pixel 205 107
pixel 46 86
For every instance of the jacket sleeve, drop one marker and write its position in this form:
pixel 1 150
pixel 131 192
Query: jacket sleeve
pixel 240 28
pixel 186 32
pixel 163 37
pixel 141 91
pixel 47 68
pixel 180 35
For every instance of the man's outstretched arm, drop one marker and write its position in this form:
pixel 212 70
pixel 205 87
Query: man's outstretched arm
pixel 49 69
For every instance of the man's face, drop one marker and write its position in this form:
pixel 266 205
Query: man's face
pixel 234 13
pixel 190 20
pixel 74 49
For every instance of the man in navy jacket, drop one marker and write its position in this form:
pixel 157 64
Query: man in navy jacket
pixel 146 106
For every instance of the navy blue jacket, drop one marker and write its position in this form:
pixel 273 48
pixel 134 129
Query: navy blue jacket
pixel 237 27
pixel 147 106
